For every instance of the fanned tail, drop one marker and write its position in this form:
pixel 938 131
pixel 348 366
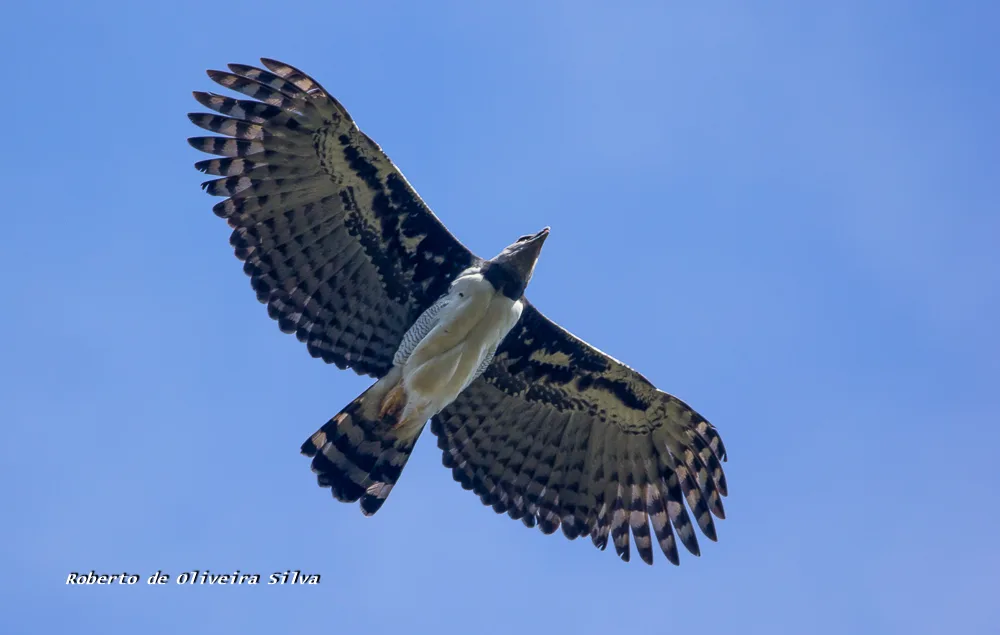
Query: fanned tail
pixel 360 455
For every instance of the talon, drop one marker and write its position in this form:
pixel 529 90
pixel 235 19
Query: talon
pixel 393 402
pixel 404 424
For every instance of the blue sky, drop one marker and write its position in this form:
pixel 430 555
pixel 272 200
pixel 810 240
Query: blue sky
pixel 786 215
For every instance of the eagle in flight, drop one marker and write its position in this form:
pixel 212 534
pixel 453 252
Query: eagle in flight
pixel 346 255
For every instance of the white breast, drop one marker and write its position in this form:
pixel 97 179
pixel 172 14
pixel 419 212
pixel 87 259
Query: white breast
pixel 468 329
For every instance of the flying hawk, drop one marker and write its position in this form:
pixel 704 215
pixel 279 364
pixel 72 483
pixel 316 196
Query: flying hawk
pixel 345 254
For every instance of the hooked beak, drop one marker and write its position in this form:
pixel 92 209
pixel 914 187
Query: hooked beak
pixel 539 237
pixel 534 244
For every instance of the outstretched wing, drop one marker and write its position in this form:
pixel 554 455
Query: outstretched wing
pixel 555 433
pixel 335 241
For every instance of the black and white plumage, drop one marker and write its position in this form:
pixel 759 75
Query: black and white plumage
pixel 541 425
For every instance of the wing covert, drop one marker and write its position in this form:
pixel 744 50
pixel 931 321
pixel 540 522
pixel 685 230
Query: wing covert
pixel 336 242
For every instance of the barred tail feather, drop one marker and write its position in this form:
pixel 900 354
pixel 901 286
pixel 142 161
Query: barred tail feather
pixel 358 455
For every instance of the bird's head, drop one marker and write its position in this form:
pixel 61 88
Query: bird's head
pixel 510 271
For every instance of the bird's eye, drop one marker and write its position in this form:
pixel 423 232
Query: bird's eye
pixel 524 238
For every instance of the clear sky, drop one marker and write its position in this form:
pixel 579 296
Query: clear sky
pixel 787 215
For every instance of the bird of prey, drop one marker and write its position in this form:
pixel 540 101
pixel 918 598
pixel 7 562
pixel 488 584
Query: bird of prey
pixel 346 255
